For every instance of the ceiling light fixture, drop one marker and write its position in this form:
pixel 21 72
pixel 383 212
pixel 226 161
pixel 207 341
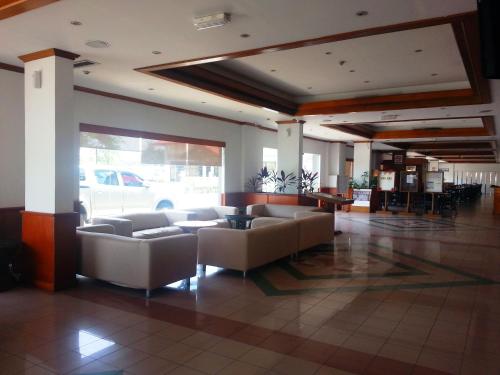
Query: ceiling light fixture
pixel 86 72
pixel 76 23
pixel 361 13
pixel 273 70
pixel 156 52
pixel 269 110
pixel 328 53
pixel 434 74
pixel 211 20
pixel 367 81
pixel 151 89
pixel 97 44
pixel 244 35
pixel 418 50
pixel 309 88
pixel 351 71
pixel 203 102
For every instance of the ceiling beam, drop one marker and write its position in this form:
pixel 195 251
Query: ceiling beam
pixel 489 124
pixel 360 130
pixel 11 8
pixel 444 153
pixel 446 145
pixel 430 133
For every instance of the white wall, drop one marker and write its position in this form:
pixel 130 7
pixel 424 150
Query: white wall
pixel 244 144
pixel 12 139
pixel 99 110
pixel 362 159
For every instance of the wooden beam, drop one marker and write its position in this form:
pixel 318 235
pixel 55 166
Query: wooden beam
pixel 431 133
pixel 390 102
pixel 471 152
pixel 489 124
pixel 360 130
pixel 11 8
pixel 447 145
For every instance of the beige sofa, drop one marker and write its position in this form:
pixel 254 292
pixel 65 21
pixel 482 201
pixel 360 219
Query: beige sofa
pixel 216 213
pixel 136 263
pixel 279 210
pixel 146 225
pixel 246 249
pixel 269 239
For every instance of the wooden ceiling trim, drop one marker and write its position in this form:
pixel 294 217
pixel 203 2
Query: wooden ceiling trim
pixel 11 8
pixel 218 84
pixel 391 102
pixel 430 133
pixel 447 145
pixel 489 124
pixel 360 130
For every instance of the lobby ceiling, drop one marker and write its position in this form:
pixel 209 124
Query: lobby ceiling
pixel 390 62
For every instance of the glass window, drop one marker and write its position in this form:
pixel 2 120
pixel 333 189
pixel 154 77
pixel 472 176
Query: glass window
pixel 106 177
pixel 312 163
pixel 131 179
pixel 270 158
pixel 82 174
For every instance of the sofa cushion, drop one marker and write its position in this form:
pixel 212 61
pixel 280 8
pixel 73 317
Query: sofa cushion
pixel 147 220
pixel 204 214
pixel 265 221
pixel 278 210
pixel 222 223
pixel 157 232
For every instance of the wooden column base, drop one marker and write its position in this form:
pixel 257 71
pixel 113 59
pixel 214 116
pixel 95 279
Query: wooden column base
pixel 50 246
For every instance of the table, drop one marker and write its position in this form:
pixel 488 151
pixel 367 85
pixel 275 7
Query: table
pixel 194 225
pixel 239 221
pixel 330 201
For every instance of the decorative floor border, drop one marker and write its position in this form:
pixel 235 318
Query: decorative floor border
pixel 269 289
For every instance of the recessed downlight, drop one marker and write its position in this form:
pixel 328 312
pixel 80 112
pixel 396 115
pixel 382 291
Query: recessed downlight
pixel 361 13
pixel 351 71
pixel 309 88
pixel 244 35
pixel 418 50
pixel 434 74
pixel 76 23
pixel 273 70
pixel 156 52
pixel 367 81
pixel 86 72
pixel 151 89
pixel 328 53
pixel 97 44
pixel 203 102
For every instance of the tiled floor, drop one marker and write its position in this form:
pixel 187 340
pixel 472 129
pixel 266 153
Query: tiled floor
pixel 381 301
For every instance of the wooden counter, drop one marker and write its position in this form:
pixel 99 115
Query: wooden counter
pixel 496 200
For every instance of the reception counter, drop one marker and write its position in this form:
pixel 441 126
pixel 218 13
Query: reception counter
pixel 496 199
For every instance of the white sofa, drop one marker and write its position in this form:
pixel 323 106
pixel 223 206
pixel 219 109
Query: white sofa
pixel 215 213
pixel 246 249
pixel 279 210
pixel 268 239
pixel 136 263
pixel 146 225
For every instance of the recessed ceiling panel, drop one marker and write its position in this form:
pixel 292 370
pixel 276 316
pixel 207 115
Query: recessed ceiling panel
pixel 417 60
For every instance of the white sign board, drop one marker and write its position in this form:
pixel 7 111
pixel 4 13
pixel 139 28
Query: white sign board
pixel 361 197
pixel 434 182
pixel 386 180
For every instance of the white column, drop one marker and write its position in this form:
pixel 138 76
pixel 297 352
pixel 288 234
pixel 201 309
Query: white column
pixel 50 133
pixel 290 148
pixel 362 159
pixel 336 166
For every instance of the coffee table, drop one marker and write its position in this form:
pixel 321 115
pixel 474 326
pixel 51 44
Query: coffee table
pixel 193 226
pixel 239 221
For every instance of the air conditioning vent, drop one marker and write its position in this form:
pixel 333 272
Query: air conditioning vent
pixel 84 63
pixel 389 117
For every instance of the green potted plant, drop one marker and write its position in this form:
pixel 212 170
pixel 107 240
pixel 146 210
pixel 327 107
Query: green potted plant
pixel 307 180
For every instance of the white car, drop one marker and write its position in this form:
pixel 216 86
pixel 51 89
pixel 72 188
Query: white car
pixel 111 191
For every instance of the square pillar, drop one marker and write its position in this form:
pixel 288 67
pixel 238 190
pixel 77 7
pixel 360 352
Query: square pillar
pixel 290 149
pixel 362 159
pixel 49 221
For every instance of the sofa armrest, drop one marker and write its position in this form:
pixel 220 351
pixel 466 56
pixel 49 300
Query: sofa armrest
pixel 171 258
pixel 222 211
pixel 179 215
pixel 97 228
pixel 123 227
pixel 223 247
pixel 256 210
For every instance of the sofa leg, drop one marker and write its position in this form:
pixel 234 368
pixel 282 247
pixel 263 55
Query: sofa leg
pixel 148 293
pixel 188 283
pixel 244 274
pixel 204 268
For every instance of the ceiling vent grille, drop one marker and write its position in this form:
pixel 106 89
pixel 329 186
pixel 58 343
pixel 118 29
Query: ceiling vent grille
pixel 389 117
pixel 84 63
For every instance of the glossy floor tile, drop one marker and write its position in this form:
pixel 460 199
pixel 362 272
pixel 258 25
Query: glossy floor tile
pixel 391 295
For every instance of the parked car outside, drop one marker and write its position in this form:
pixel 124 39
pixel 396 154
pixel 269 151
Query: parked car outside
pixel 112 191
